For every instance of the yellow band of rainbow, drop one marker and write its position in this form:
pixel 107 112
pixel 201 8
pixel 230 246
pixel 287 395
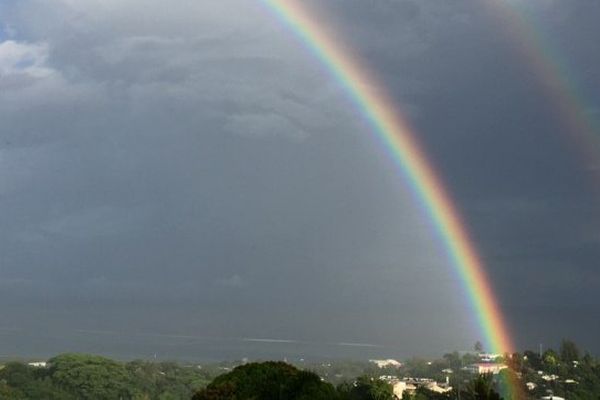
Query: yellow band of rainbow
pixel 394 131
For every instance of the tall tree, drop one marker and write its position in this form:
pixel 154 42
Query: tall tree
pixel 568 351
pixel 478 347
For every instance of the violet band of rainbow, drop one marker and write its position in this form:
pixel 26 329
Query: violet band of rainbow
pixel 393 131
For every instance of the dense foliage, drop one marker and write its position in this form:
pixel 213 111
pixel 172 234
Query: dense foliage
pixel 565 372
pixel 365 388
pixel 80 376
pixel 267 381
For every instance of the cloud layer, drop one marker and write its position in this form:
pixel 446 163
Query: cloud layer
pixel 193 167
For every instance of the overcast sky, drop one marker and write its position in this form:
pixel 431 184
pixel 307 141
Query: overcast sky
pixel 192 170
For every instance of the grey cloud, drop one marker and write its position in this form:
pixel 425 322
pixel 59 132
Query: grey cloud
pixel 23 59
pixel 194 167
pixel 86 224
pixel 234 281
pixel 263 125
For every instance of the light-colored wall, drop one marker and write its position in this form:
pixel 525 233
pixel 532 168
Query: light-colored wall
pixel 399 388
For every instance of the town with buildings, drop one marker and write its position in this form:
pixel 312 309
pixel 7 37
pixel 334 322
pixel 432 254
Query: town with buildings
pixel 549 375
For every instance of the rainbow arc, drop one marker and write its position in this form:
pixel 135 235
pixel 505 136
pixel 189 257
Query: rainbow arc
pixel 396 135
pixel 393 131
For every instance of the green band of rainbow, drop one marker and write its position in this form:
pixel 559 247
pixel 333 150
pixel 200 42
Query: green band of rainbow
pixel 392 128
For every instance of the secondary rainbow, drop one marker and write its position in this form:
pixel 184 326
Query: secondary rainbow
pixel 554 77
pixel 398 138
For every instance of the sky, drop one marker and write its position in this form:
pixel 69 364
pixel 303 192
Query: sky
pixel 191 178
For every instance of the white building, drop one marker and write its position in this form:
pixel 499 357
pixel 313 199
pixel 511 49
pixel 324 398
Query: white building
pixel 488 357
pixel 408 386
pixel 530 385
pixel 550 377
pixel 485 368
pixel 37 364
pixel 387 363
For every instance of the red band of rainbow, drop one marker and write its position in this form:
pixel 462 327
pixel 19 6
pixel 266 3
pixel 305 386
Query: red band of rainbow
pixel 398 138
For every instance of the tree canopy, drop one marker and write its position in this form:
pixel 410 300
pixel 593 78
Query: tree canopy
pixel 267 381
pixel 83 376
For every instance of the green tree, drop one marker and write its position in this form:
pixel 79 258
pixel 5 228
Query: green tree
pixel 28 382
pixel 91 377
pixel 478 347
pixel 568 351
pixel 453 360
pixel 481 388
pixel 366 388
pixel 532 359
pixel 267 381
pixel 17 374
pixel 9 393
pixel 550 361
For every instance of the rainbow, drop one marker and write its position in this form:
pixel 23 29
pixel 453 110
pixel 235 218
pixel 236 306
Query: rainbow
pixel 553 76
pixel 398 138
pixel 395 133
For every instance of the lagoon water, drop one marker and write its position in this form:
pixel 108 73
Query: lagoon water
pixel 16 344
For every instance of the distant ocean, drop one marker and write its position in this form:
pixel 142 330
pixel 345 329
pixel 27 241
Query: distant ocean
pixel 17 344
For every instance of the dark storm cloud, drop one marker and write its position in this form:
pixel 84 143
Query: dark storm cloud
pixel 507 154
pixel 194 171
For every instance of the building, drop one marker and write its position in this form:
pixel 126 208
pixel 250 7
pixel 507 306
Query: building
pixel 37 364
pixel 485 368
pixel 400 387
pixel 488 357
pixel 550 377
pixel 408 386
pixel 387 363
